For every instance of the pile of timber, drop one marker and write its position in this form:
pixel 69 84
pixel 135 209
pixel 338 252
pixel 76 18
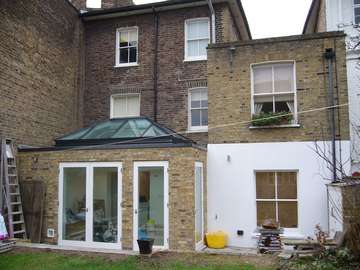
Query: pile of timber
pixel 270 241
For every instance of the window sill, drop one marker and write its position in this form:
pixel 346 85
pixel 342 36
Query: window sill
pixel 195 59
pixel 127 65
pixel 277 126
pixel 200 130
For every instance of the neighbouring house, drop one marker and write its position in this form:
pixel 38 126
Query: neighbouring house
pixel 156 133
pixel 343 15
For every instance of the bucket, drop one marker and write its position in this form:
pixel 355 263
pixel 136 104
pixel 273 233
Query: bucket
pixel 145 245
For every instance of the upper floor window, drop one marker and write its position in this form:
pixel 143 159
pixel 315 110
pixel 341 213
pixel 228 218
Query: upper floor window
pixel 276 198
pixel 198 109
pixel 274 94
pixel 125 105
pixel 197 38
pixel 127 46
pixel 357 11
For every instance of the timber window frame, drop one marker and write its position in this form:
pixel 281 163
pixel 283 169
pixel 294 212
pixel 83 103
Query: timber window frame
pixel 197 41
pixel 198 105
pixel 127 49
pixel 127 112
pixel 274 94
pixel 277 197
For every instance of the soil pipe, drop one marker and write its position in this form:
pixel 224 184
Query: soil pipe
pixel 329 56
pixel 156 27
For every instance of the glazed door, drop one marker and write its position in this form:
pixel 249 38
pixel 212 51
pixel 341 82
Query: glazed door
pixel 90 205
pixel 199 205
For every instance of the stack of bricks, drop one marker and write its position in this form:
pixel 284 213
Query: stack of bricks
pixel 270 240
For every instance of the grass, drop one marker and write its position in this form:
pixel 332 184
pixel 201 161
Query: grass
pixel 56 261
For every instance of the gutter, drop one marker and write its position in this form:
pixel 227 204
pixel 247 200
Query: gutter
pixel 212 11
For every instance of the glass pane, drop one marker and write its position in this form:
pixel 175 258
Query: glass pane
pixel 357 19
pixel 196 97
pixel 151 204
pixel 193 48
pixel 105 202
pixel 265 185
pixel 119 106
pixel 204 98
pixel 203 29
pixel 133 128
pixel 284 78
pixel 262 80
pixel 104 130
pixel 202 47
pixel 195 118
pixel 204 117
pixel 74 204
pixel 124 39
pixel 192 30
pixel 124 55
pixel 152 132
pixel 198 205
pixel 133 105
pixel 133 55
pixel 287 185
pixel 133 37
pixel 265 210
pixel 357 2
pixel 357 11
pixel 288 216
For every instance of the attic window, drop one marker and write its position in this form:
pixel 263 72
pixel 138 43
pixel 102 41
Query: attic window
pixel 357 11
pixel 93 3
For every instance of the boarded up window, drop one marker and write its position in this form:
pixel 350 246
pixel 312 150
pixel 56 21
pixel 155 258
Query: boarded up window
pixel 276 198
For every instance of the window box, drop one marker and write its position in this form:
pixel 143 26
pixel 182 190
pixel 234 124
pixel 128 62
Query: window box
pixel 272 119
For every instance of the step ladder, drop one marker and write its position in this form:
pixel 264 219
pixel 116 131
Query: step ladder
pixel 11 191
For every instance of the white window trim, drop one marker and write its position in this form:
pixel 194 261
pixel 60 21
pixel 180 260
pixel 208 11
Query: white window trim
pixel 273 63
pixel 199 58
pixel 117 47
pixel 287 231
pixel 195 129
pixel 123 95
pixel 354 6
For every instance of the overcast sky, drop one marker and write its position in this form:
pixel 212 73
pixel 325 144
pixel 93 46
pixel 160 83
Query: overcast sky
pixel 272 18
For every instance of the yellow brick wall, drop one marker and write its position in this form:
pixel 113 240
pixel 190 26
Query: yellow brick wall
pixel 229 84
pixel 44 166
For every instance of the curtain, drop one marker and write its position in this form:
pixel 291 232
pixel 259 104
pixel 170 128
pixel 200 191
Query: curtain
pixel 290 105
pixel 258 108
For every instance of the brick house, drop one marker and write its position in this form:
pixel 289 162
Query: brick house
pixel 343 15
pixel 142 78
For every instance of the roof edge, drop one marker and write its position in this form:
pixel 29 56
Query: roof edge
pixel 313 11
pixel 278 39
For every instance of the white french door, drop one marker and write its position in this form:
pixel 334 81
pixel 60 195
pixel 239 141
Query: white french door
pixel 150 198
pixel 90 204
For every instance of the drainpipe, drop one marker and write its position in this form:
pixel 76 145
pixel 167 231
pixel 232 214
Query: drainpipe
pixel 156 26
pixel 212 11
pixel 330 56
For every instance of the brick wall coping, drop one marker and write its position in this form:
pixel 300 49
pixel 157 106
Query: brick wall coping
pixel 323 35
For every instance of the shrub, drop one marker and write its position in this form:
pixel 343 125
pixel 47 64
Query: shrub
pixel 272 119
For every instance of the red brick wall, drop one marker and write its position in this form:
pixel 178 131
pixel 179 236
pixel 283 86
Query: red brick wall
pixel 40 70
pixel 81 4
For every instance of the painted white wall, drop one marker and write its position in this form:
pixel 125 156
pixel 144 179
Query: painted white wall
pixel 340 17
pixel 232 192
pixel 335 210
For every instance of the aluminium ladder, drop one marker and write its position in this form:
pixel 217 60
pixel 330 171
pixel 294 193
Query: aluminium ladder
pixel 11 191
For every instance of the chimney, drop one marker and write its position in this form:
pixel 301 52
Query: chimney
pixel 83 4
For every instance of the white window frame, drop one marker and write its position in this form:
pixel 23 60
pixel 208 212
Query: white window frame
pixel 117 46
pixel 112 97
pixel 197 58
pixel 274 63
pixel 196 128
pixel 354 7
pixel 276 200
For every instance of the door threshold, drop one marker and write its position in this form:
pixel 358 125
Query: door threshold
pixel 80 249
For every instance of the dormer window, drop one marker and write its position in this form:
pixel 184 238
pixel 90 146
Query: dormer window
pixel 357 11
pixel 126 47
pixel 197 38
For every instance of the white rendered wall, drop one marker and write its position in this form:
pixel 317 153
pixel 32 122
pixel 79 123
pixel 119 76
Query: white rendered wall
pixel 231 186
pixel 340 17
pixel 335 210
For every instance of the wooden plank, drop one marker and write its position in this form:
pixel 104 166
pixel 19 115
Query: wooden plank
pixel 33 196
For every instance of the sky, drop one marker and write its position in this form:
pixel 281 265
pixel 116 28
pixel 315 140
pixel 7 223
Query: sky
pixel 271 18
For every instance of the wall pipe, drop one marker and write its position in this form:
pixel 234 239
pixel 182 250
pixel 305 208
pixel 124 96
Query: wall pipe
pixel 212 11
pixel 330 56
pixel 155 75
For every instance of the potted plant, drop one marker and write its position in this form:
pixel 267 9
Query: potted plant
pixel 271 119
